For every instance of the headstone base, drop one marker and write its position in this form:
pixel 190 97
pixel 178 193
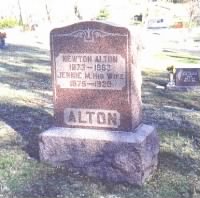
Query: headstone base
pixel 109 155
pixel 182 88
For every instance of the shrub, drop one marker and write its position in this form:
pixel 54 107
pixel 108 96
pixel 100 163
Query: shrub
pixel 8 23
pixel 171 69
pixel 103 14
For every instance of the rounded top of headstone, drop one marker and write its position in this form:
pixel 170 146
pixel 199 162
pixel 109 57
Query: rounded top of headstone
pixel 92 24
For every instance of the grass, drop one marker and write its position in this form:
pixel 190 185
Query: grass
pixel 26 110
pixel 178 57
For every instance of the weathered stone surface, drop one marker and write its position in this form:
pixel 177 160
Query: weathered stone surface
pixel 109 155
pixel 97 105
pixel 96 81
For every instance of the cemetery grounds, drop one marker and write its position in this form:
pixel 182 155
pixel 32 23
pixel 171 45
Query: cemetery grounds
pixel 26 110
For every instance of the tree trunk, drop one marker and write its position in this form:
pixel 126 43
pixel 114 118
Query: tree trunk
pixel 20 14
pixel 47 11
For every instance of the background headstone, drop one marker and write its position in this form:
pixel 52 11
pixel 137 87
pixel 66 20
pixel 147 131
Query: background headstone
pixel 187 77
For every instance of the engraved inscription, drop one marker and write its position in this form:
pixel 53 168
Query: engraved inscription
pixel 188 76
pixel 92 117
pixel 91 71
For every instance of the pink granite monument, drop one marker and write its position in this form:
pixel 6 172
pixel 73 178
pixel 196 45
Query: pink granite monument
pixel 95 80
pixel 97 105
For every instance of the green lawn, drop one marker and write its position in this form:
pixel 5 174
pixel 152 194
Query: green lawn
pixel 26 110
pixel 178 57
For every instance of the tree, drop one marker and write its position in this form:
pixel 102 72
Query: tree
pixel 20 13
pixel 193 11
pixel 47 11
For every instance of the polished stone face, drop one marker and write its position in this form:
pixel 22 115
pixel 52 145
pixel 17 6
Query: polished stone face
pixel 187 77
pixel 96 83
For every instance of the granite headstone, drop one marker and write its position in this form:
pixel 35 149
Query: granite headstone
pixel 97 105
pixel 94 83
pixel 187 77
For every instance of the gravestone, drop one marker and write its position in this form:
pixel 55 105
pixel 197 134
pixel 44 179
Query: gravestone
pixel 187 77
pixel 92 81
pixel 97 105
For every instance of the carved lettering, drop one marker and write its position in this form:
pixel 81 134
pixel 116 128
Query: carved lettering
pixel 97 71
pixel 92 117
pixel 101 118
pixel 112 118
pixel 72 117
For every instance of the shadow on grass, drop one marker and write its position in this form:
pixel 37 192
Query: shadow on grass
pixel 28 122
pixel 21 65
pixel 182 171
pixel 158 78
pixel 24 78
pixel 178 164
pixel 37 61
pixel 185 54
pixel 170 110
pixel 185 58
pixel 27 52
pixel 163 97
